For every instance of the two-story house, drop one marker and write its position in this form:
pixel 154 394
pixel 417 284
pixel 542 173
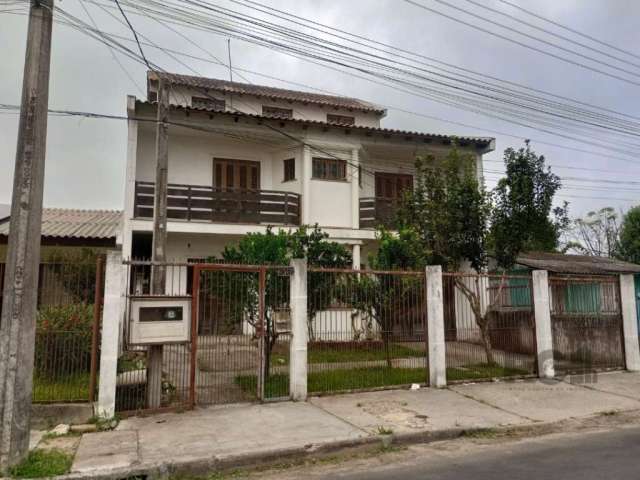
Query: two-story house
pixel 243 157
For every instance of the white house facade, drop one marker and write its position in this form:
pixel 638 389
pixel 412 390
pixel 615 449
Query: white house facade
pixel 244 157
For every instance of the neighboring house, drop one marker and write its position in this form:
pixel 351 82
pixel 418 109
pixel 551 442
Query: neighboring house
pixel 242 157
pixel 589 296
pixel 65 227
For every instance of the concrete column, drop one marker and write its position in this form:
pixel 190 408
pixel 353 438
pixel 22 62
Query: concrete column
pixel 435 327
pixel 542 311
pixel 355 257
pixel 355 190
pixel 306 184
pixel 299 331
pixel 629 322
pixel 111 317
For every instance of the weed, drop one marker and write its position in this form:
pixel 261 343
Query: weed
pixel 42 463
pixel 384 431
pixel 480 433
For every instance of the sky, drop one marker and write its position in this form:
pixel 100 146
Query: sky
pixel 86 157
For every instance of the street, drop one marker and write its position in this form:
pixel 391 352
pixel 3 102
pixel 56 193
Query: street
pixel 581 455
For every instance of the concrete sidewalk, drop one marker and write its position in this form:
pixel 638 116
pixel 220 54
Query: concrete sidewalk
pixel 236 435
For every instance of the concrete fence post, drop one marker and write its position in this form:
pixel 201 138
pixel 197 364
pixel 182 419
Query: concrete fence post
pixel 629 322
pixel 111 317
pixel 544 336
pixel 299 331
pixel 435 327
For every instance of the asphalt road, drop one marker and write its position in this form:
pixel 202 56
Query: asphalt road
pixel 609 455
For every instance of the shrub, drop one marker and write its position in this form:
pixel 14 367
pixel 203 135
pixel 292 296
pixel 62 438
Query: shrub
pixel 63 340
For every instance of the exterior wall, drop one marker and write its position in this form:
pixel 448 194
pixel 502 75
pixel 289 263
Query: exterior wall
pixel 253 105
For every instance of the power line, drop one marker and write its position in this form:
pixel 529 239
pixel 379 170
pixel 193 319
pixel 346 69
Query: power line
pixel 135 35
pixel 522 44
pixel 569 29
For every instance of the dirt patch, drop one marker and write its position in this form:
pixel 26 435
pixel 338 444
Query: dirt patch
pixel 394 413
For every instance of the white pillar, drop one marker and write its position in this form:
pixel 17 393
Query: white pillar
pixel 435 327
pixel 355 190
pixel 355 257
pixel 299 331
pixel 629 322
pixel 111 316
pixel 306 184
pixel 542 312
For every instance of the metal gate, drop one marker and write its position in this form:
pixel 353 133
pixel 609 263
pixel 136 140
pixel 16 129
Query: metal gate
pixel 240 333
pixel 586 321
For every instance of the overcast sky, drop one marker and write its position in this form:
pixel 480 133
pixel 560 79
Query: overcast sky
pixel 86 157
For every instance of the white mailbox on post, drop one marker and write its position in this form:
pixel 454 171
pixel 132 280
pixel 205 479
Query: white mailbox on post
pixel 157 320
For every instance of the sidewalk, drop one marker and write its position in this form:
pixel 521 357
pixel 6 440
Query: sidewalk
pixel 236 435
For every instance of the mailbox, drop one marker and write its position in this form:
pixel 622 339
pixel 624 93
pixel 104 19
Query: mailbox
pixel 157 320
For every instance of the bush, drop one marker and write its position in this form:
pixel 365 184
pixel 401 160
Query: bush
pixel 63 340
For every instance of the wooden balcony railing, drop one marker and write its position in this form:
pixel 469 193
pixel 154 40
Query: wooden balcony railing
pixel 196 202
pixel 375 211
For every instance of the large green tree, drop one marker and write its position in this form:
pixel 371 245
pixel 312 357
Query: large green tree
pixel 630 236
pixel 523 217
pixel 449 218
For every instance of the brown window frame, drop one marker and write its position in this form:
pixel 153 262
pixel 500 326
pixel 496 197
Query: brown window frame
pixel 277 112
pixel 227 174
pixel 289 166
pixel 209 103
pixel 341 119
pixel 332 169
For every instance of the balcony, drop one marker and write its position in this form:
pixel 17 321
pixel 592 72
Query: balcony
pixel 201 203
pixel 375 211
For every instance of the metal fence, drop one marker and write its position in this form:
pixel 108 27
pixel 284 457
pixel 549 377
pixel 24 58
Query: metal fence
pixel 239 347
pixel 133 391
pixel 67 330
pixel 586 323
pixel 243 333
pixel 489 326
pixel 367 330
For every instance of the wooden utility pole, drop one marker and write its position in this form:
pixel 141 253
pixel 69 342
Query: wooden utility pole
pixel 18 323
pixel 159 253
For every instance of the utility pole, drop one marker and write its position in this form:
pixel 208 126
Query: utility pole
pixel 18 323
pixel 159 252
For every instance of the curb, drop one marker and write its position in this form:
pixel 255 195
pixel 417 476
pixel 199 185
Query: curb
pixel 275 457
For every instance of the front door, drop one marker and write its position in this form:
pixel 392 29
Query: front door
pixel 236 175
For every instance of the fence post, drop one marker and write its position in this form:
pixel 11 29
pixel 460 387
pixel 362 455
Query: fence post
pixel 111 317
pixel 299 331
pixel 542 312
pixel 629 322
pixel 435 327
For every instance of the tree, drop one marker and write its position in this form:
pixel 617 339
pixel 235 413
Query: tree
pixel 630 236
pixel 455 220
pixel 523 217
pixel 275 249
pixel 597 234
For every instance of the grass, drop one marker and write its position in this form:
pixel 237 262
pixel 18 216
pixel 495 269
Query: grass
pixel 341 353
pixel 277 385
pixel 480 371
pixel 481 433
pixel 42 463
pixel 66 389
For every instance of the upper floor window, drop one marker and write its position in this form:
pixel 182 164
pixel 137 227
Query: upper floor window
pixel 341 119
pixel 289 169
pixel 153 96
pixel 329 169
pixel 208 103
pixel 277 112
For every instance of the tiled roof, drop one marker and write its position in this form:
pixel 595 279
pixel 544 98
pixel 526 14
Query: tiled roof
pixel 481 141
pixel 72 223
pixel 267 92
pixel 577 264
